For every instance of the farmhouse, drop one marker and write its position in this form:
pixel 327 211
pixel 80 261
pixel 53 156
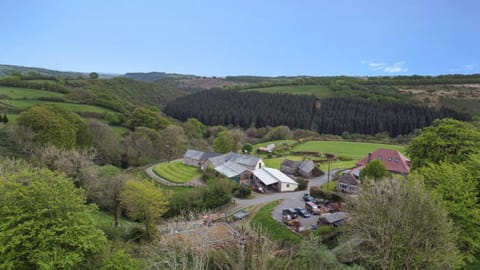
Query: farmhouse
pixel 348 183
pixel 304 168
pixel 274 179
pixel 235 171
pixel 392 159
pixel 249 162
pixel 197 158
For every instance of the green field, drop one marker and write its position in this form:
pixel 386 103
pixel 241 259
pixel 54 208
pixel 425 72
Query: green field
pixel 317 90
pixel 264 221
pixel 23 104
pixel 354 150
pixel 176 172
pixel 24 93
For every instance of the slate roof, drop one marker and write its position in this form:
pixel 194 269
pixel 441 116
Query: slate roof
pixel 199 155
pixel 306 166
pixel 290 163
pixel 231 169
pixel 270 176
pixel 349 179
pixel 245 160
pixel 392 159
pixel 335 217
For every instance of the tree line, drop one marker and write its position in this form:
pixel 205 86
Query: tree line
pixel 328 116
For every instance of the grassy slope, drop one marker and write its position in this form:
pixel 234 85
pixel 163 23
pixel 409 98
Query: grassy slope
pixel 317 90
pixel 23 104
pixel 275 231
pixel 24 93
pixel 176 171
pixel 355 150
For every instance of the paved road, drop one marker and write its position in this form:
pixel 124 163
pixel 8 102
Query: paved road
pixel 288 198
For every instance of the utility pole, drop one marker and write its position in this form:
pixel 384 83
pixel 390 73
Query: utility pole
pixel 328 173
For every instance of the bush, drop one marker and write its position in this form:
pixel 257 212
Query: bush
pixel 302 183
pixel 317 192
pixel 242 191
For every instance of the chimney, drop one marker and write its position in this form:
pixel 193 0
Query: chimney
pixel 369 157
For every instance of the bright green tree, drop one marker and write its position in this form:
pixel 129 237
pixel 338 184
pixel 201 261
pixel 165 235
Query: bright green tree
pixel 146 117
pixel 446 140
pixel 45 223
pixel 375 170
pixel 49 127
pixel 145 202
pixel 53 125
pixel 455 186
pixel 225 142
pixel 247 148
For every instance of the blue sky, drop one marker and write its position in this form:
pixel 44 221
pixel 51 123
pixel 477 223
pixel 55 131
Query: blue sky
pixel 244 37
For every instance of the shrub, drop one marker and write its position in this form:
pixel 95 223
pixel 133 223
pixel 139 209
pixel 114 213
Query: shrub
pixel 302 183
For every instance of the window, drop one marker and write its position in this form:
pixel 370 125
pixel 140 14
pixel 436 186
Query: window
pixel 288 185
pixel 390 158
pixel 397 160
pixel 379 157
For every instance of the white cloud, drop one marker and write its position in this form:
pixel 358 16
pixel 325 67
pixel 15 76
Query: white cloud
pixel 397 67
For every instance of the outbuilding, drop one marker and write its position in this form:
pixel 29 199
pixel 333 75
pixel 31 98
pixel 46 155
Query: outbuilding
pixel 274 179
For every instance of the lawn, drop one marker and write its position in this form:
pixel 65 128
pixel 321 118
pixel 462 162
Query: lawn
pixel 23 104
pixel 102 219
pixel 354 150
pixel 317 90
pixel 274 230
pixel 176 171
pixel 24 93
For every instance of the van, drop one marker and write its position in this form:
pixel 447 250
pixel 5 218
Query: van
pixel 313 208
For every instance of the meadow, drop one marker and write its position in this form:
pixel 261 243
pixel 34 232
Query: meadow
pixel 24 104
pixel 176 171
pixel 24 93
pixel 353 150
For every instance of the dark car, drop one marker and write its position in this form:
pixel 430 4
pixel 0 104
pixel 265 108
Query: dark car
pixel 308 198
pixel 290 211
pixel 302 212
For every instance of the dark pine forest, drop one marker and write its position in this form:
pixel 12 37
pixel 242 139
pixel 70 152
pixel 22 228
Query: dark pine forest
pixel 327 116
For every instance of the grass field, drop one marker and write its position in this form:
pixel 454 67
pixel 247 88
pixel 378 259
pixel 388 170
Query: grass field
pixel 317 90
pixel 275 231
pixel 354 150
pixel 176 172
pixel 23 104
pixel 102 219
pixel 20 93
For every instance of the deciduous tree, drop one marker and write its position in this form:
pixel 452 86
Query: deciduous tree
pixel 446 140
pixel 224 142
pixel 375 170
pixel 45 222
pixel 144 202
pixel 455 186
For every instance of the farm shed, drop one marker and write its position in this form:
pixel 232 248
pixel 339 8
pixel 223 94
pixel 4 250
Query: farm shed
pixel 235 171
pixel 275 179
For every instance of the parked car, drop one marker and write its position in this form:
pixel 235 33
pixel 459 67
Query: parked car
pixel 302 212
pixel 308 198
pixel 258 188
pixel 290 211
pixel 313 208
